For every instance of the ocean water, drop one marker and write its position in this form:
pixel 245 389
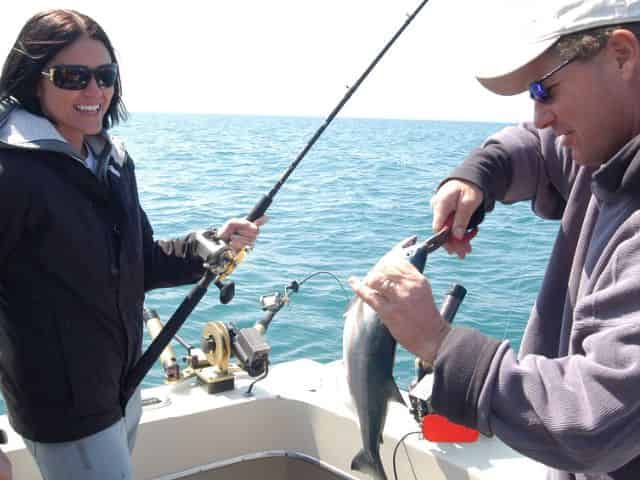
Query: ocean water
pixel 364 186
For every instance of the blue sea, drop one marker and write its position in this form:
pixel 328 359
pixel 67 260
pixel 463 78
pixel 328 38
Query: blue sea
pixel 364 186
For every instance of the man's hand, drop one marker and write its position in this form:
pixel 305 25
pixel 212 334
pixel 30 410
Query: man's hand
pixel 5 467
pixel 461 199
pixel 402 297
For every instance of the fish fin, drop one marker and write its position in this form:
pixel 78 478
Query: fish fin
pixel 350 304
pixel 365 463
pixel 395 395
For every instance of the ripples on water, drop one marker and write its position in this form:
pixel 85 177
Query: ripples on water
pixel 363 187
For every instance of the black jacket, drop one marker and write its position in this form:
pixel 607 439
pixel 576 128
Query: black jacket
pixel 77 255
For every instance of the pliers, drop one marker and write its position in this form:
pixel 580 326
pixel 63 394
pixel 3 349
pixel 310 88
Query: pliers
pixel 435 241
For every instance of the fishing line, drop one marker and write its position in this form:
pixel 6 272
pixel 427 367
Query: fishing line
pixel 346 295
pixel 274 302
pixel 294 286
pixel 409 166
pixel 395 451
pixel 512 308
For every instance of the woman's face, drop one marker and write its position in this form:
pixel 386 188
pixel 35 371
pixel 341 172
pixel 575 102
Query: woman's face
pixel 77 113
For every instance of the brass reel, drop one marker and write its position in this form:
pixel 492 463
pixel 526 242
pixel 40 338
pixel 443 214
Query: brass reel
pixel 216 345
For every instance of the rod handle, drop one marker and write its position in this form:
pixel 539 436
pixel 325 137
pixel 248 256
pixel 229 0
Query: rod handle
pixel 448 310
pixel 452 301
pixel 259 209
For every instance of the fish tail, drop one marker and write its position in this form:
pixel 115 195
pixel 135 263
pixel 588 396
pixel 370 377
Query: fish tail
pixel 366 463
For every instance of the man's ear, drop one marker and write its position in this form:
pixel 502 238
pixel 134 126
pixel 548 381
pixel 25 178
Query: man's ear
pixel 624 46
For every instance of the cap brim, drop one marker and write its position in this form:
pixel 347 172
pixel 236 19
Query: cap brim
pixel 511 72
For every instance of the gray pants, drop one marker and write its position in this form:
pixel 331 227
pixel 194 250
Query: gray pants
pixel 105 455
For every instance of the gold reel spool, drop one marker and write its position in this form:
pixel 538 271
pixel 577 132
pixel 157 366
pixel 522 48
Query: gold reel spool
pixel 233 262
pixel 216 336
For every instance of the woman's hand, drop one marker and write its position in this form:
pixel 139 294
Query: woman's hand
pixel 239 233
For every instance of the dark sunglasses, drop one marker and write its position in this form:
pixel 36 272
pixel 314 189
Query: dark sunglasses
pixel 538 92
pixel 77 77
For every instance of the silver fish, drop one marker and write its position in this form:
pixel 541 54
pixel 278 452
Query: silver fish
pixel 369 354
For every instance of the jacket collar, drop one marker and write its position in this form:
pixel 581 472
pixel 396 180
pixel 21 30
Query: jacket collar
pixel 621 174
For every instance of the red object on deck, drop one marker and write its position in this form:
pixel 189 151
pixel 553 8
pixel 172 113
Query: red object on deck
pixel 437 428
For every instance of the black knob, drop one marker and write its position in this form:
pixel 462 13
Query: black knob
pixel 227 291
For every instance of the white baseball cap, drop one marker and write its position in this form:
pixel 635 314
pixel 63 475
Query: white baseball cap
pixel 506 72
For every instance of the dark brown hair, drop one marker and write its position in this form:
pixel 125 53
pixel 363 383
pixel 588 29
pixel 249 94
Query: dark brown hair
pixel 42 38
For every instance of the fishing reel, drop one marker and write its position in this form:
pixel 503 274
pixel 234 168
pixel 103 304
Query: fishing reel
pixel 219 259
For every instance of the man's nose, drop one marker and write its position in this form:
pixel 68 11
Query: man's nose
pixel 543 115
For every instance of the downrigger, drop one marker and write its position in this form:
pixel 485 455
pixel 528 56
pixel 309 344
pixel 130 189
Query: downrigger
pixel 219 343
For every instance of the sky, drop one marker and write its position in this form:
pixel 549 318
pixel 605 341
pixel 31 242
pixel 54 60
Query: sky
pixel 298 57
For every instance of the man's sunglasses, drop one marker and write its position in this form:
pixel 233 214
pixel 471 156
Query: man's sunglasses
pixel 77 77
pixel 538 92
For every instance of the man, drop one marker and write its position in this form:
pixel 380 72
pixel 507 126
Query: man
pixel 571 399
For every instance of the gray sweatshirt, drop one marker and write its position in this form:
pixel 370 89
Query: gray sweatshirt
pixel 571 397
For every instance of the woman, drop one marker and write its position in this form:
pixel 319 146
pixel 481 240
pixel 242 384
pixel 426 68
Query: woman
pixel 77 252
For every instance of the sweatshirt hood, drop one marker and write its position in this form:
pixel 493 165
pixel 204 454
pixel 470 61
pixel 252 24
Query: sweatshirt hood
pixel 20 129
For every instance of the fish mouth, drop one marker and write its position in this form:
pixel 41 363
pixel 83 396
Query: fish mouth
pixel 409 241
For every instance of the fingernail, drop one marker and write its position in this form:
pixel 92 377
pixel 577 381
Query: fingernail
pixel 458 232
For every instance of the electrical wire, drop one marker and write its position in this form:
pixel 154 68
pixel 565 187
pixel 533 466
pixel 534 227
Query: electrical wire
pixel 395 451
pixel 261 377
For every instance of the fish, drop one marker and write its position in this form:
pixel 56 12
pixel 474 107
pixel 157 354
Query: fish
pixel 368 351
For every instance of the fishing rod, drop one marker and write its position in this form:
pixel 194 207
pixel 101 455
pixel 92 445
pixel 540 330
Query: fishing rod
pixel 265 201
pixel 220 261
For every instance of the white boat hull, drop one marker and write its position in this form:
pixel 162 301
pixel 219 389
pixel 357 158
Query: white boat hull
pixel 298 422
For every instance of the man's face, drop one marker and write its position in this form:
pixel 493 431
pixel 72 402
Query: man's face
pixel 588 106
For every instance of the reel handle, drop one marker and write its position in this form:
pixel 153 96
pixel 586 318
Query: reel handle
pixel 227 291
